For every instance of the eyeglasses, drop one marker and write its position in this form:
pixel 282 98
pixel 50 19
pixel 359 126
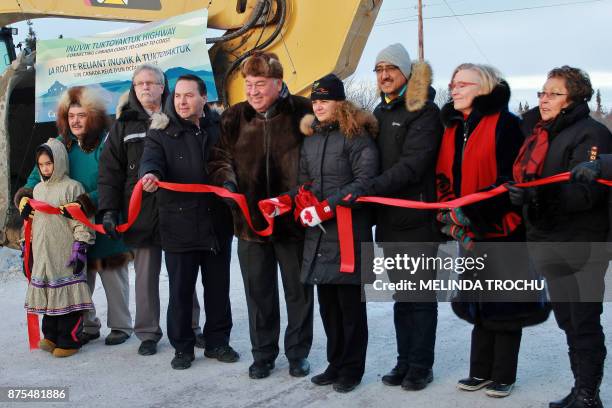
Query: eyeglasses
pixel 259 85
pixel 550 95
pixel 460 84
pixel 147 83
pixel 389 68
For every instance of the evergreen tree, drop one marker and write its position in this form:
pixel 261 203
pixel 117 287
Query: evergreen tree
pixel 31 38
pixel 598 107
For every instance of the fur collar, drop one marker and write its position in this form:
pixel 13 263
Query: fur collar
pixel 483 105
pixel 417 91
pixel 159 121
pixel 350 119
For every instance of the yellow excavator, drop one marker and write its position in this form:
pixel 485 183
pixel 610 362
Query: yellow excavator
pixel 311 38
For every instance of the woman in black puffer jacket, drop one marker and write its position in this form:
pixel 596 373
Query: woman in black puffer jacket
pixel 338 157
pixel 566 221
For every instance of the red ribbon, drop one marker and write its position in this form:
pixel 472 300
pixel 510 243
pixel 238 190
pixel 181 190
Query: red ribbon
pixel 347 253
pixel 344 217
pixel 32 318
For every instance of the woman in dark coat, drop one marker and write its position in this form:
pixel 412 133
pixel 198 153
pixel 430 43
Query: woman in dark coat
pixel 338 157
pixel 480 143
pixel 567 221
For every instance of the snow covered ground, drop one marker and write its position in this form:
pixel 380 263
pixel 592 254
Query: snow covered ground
pixel 116 376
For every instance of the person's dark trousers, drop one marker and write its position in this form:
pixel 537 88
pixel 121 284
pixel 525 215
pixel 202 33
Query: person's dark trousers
pixel 63 330
pixel 415 314
pixel 585 338
pixel 183 270
pixel 494 354
pixel 217 307
pixel 258 264
pixel 346 327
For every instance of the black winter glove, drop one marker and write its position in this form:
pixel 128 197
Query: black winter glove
pixel 586 172
pixel 230 186
pixel 516 195
pixel 110 219
pixel 350 200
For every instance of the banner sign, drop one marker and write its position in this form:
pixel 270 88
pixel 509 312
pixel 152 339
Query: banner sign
pixel 106 61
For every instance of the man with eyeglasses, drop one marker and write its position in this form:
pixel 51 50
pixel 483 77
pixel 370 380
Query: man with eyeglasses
pixel 408 142
pixel 258 156
pixel 118 175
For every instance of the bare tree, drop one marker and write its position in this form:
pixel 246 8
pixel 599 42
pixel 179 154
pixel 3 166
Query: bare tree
pixel 362 93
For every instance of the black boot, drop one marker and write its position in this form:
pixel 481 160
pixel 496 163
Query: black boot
pixel 569 398
pixel 586 398
pixel 587 392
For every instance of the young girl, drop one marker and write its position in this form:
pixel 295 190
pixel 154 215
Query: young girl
pixel 58 287
pixel 338 157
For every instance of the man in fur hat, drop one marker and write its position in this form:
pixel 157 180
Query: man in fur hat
pixel 258 156
pixel 408 142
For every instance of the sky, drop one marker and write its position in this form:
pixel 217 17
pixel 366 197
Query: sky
pixel 524 39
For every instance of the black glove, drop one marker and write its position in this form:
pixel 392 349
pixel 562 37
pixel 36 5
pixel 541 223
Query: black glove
pixel 110 220
pixel 586 172
pixel 350 200
pixel 25 209
pixel 230 186
pixel 517 195
pixel 65 212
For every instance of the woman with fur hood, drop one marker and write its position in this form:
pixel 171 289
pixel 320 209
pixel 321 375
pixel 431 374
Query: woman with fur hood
pixel 481 140
pixel 82 124
pixel 338 157
pixel 58 290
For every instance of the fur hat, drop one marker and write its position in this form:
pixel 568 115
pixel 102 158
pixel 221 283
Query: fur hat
pixel 262 64
pixel 87 99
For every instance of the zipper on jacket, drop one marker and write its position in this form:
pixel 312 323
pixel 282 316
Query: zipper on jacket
pixel 465 138
pixel 267 152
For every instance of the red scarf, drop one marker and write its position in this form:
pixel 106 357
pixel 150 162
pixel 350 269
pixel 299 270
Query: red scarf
pixel 479 164
pixel 530 160
pixel 478 169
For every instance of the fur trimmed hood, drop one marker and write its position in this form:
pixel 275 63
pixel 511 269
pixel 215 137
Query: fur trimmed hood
pixel 159 121
pixel 97 120
pixel 484 105
pixel 417 91
pixel 350 119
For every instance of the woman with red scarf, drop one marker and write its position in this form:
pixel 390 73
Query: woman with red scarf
pixel 567 221
pixel 479 146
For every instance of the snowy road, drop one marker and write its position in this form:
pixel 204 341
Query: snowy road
pixel 115 376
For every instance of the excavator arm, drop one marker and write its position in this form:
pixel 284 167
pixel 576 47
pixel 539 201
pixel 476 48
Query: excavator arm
pixel 311 38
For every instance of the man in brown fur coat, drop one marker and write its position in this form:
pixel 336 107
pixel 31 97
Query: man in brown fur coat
pixel 258 156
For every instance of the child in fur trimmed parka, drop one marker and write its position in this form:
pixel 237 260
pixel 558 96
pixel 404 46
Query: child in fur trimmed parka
pixel 58 286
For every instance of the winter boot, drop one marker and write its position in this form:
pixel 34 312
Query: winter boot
pixel 46 345
pixel 587 392
pixel 61 352
pixel 569 398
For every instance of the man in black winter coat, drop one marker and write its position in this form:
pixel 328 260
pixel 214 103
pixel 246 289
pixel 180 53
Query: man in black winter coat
pixel 177 150
pixel 118 175
pixel 408 142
